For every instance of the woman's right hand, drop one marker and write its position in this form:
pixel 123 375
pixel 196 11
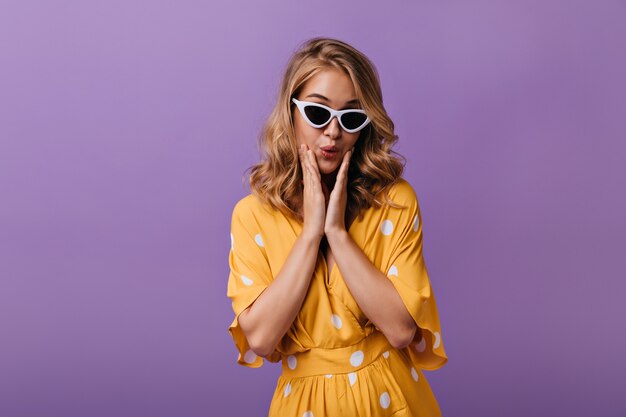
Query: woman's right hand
pixel 314 202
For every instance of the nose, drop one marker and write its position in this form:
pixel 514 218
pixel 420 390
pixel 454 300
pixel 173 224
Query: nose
pixel 333 128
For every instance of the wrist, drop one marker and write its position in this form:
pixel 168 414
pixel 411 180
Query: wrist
pixel 336 235
pixel 311 237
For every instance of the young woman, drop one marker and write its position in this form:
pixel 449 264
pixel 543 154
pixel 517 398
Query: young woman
pixel 327 273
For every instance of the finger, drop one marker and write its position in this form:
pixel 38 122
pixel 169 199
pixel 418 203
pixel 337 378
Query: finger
pixel 346 161
pixel 306 173
pixel 313 170
pixel 314 166
pixel 310 173
pixel 307 157
pixel 305 162
pixel 343 170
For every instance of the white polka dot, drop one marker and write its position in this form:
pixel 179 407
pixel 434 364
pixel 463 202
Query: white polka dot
pixel 386 227
pixel 259 240
pixel 249 356
pixel 385 400
pixel 393 271
pixel 246 280
pixel 437 340
pixel 357 358
pixel 336 320
pixel 421 346
pixel 414 374
pixel 416 223
pixel 352 378
pixel 287 389
pixel 291 362
pixel 386 354
pixel 308 414
pixel 232 241
pixel 329 375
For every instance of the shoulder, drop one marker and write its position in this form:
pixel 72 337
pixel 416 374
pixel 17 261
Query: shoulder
pixel 244 204
pixel 250 208
pixel 402 192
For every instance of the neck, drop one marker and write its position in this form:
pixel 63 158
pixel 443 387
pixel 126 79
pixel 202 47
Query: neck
pixel 328 183
pixel 329 179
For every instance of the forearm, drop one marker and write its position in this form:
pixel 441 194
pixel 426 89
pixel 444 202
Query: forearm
pixel 372 290
pixel 267 320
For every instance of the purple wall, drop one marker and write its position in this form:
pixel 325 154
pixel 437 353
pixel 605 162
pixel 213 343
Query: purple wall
pixel 125 128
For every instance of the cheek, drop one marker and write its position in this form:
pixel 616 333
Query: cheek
pixel 300 129
pixel 354 138
pixel 304 133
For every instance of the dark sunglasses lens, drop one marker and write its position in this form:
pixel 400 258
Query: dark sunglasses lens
pixel 353 119
pixel 316 115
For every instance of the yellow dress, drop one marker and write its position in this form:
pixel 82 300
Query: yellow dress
pixel 335 362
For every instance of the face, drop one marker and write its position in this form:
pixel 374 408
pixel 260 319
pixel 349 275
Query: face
pixel 334 89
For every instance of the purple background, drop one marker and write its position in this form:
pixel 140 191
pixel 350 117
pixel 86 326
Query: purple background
pixel 125 128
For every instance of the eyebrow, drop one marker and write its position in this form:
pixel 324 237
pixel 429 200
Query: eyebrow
pixel 353 101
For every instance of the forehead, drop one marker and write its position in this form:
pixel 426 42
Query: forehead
pixel 333 84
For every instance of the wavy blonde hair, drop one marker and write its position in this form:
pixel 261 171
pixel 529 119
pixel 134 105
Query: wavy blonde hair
pixel 374 166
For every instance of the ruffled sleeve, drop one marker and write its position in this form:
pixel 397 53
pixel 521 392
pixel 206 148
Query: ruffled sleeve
pixel 407 271
pixel 250 275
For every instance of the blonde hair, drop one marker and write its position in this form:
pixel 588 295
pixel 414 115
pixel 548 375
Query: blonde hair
pixel 276 180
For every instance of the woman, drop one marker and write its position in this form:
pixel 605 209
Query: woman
pixel 344 302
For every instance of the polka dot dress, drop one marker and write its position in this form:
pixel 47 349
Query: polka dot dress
pixel 334 361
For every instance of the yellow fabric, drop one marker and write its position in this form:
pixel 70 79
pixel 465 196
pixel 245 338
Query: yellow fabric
pixel 335 362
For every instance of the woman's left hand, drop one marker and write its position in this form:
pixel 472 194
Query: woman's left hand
pixel 336 210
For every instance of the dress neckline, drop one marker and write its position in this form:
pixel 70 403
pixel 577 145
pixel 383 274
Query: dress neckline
pixel 329 273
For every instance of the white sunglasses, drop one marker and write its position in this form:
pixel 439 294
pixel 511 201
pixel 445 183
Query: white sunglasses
pixel 318 115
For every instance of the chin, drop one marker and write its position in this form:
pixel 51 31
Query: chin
pixel 329 171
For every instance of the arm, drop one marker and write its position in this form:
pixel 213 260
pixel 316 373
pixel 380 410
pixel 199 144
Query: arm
pixel 267 320
pixel 374 293
pixel 372 290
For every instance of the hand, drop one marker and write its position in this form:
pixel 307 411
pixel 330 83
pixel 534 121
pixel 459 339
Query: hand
pixel 314 203
pixel 336 211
